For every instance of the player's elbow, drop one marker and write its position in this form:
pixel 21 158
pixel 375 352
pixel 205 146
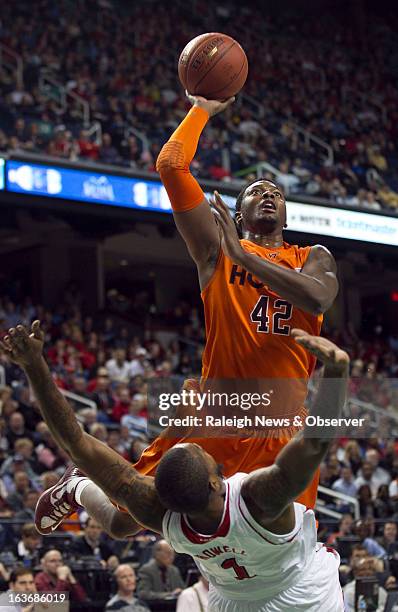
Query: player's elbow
pixel 171 160
pixel 320 303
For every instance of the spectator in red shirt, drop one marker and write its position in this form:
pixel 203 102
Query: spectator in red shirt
pixel 122 405
pixel 87 149
pixel 57 577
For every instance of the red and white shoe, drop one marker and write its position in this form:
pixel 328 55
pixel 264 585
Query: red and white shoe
pixel 58 503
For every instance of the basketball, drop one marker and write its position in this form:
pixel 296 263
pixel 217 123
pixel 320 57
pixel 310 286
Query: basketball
pixel 214 66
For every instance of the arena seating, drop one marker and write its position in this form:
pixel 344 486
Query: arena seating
pixel 340 88
pixel 82 351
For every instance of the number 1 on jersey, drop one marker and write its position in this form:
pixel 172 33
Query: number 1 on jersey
pixel 259 315
pixel 240 571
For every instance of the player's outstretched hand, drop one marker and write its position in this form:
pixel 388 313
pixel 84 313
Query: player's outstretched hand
pixel 230 242
pixel 325 350
pixel 211 106
pixel 21 347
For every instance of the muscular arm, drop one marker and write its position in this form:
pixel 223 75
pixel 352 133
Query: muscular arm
pixel 312 290
pixel 113 474
pixel 192 214
pixel 269 492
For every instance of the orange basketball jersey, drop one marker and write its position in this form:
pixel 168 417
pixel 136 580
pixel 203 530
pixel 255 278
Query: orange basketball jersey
pixel 248 325
pixel 248 339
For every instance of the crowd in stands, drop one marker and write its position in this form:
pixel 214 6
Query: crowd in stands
pixel 332 79
pixel 101 360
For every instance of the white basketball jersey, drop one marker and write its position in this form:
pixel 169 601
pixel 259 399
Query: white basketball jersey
pixel 242 560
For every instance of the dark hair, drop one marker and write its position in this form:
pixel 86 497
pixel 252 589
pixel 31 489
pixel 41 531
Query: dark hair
pixel 239 199
pixel 357 547
pixel 19 570
pixel 182 481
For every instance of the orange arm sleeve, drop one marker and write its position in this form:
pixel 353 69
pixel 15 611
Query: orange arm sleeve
pixel 174 160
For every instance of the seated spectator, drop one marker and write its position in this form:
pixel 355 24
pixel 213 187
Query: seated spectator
pixel 125 600
pixel 380 475
pixel 21 580
pixel 374 549
pixel 383 505
pixel 366 476
pixel 91 544
pixel 108 154
pixel 159 578
pixel 363 568
pixel 366 505
pixel 102 395
pixel 56 577
pixel 389 539
pixel 122 404
pixel 352 454
pixel 125 439
pixel 12 465
pixel 139 364
pixel 136 424
pixel 25 447
pixel 30 499
pixel 194 598
pixel 16 429
pixel 48 453
pixel 99 431
pixel 29 546
pixel 345 484
pixel 21 485
pixel 345 529
pixel 118 367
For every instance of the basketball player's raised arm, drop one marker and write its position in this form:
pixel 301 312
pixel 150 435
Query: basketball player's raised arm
pixel 113 474
pixel 192 213
pixel 269 492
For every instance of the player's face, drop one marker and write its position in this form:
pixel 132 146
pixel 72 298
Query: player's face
pixel 263 208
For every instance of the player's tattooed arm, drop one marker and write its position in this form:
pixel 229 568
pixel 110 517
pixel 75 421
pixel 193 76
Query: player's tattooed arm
pixel 113 474
pixel 268 492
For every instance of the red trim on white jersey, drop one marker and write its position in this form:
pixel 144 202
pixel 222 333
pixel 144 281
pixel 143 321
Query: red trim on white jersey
pixel 261 534
pixel 222 530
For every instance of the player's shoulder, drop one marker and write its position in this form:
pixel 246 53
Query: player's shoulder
pixel 322 255
pixel 320 250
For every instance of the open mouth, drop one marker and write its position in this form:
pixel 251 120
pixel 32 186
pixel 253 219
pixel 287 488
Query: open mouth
pixel 268 206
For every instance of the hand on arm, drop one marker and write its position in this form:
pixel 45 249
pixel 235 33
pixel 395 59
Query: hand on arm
pixel 313 290
pixel 113 474
pixel 268 492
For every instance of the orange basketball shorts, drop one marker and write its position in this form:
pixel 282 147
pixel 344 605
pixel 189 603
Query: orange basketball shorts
pixel 235 454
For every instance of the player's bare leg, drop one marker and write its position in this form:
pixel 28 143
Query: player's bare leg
pixel 75 491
